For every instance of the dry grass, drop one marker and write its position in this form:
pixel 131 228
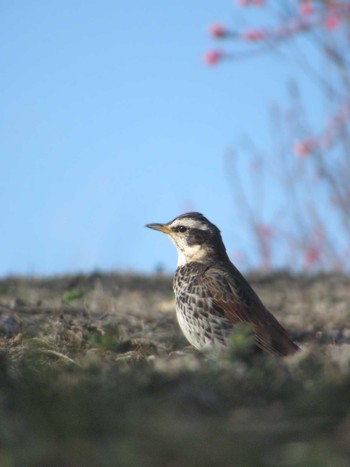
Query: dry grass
pixel 94 371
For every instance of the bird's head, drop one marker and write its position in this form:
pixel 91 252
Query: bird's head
pixel 195 238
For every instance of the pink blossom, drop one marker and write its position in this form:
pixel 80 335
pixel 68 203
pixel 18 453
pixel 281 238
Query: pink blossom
pixel 251 2
pixel 306 8
pixel 263 231
pixel 218 30
pixel 303 148
pixel 332 21
pixel 212 57
pixel 254 35
pixel 312 256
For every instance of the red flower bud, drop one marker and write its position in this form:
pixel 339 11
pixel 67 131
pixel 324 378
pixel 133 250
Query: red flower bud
pixel 212 57
pixel 331 21
pixel 218 31
pixel 306 8
pixel 254 35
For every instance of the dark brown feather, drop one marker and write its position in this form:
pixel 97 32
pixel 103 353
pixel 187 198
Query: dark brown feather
pixel 230 291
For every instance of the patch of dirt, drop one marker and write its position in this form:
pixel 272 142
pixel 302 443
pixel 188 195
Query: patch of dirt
pixel 315 310
pixel 94 371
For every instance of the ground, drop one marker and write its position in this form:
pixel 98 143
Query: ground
pixel 94 371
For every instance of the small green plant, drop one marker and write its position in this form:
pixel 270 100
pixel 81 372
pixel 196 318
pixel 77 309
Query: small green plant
pixel 111 339
pixel 71 295
pixel 242 345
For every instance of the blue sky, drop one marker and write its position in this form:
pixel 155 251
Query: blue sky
pixel 109 120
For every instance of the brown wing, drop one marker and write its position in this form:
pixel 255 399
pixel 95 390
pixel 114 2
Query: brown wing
pixel 234 296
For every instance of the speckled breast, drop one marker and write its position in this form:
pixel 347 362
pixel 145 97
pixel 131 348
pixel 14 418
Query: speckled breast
pixel 203 324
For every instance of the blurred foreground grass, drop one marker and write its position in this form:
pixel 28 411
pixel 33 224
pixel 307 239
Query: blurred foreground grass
pixel 94 372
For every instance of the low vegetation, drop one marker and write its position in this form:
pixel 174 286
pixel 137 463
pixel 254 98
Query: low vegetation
pixel 95 372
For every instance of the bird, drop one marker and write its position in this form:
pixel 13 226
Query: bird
pixel 212 297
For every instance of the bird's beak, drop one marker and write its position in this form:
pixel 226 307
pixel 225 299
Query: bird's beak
pixel 161 227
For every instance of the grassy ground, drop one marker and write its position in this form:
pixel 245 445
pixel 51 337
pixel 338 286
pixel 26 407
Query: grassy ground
pixel 95 372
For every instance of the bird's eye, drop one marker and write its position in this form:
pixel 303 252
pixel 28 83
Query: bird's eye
pixel 179 228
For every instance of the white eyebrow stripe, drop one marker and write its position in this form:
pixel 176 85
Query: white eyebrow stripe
pixel 190 223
